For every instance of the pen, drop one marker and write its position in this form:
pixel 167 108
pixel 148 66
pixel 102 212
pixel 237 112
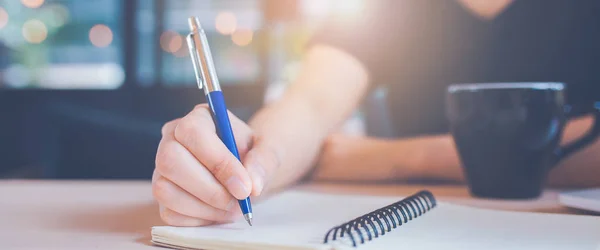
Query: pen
pixel 206 77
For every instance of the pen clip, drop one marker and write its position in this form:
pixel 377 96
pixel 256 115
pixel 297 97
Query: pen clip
pixel 195 58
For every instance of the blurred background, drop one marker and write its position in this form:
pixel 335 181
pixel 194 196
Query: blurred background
pixel 85 86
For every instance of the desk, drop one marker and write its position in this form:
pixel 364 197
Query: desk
pixel 118 215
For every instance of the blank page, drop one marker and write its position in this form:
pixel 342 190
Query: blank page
pixel 457 227
pixel 300 220
pixel 294 219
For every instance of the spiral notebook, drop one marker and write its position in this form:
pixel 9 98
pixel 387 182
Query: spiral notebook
pixel 308 220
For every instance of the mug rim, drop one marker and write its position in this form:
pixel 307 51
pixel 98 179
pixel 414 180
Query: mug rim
pixel 505 85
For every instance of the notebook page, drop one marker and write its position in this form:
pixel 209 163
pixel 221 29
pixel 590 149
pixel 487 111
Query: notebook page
pixel 290 219
pixel 299 220
pixel 453 227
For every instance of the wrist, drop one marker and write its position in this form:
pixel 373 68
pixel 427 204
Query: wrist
pixel 408 159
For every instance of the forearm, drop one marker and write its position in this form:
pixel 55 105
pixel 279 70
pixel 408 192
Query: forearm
pixel 430 157
pixel 370 159
pixel 435 157
pixel 328 89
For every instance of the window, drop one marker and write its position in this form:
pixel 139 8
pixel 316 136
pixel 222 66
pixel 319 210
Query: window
pixel 82 44
pixel 61 44
pixel 233 31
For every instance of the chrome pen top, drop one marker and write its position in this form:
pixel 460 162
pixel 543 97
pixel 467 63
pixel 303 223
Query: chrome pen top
pixel 194 24
pixel 202 60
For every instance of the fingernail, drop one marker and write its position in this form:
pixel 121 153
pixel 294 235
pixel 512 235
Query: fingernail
pixel 257 173
pixel 257 181
pixel 237 187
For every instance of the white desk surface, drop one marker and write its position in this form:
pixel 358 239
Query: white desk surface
pixel 38 214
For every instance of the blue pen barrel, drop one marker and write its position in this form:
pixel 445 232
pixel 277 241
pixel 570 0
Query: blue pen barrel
pixel 216 102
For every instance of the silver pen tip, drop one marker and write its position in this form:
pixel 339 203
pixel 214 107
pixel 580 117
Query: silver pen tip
pixel 194 24
pixel 248 218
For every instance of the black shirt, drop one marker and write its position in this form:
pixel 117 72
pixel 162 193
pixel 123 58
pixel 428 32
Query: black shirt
pixel 416 48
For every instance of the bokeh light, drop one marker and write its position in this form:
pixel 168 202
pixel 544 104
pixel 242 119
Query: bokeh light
pixel 171 41
pixel 58 15
pixel 34 31
pixel 350 7
pixel 14 41
pixel 182 51
pixel 3 18
pixel 226 23
pixel 101 35
pixel 340 8
pixel 317 8
pixel 17 76
pixel 242 37
pixel 32 3
pixel 175 43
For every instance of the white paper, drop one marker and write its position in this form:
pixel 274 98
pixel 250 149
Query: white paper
pixel 299 220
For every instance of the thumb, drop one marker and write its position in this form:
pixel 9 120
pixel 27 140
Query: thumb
pixel 261 162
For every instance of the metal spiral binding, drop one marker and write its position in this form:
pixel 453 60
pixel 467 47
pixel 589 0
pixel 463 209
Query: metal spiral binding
pixel 380 221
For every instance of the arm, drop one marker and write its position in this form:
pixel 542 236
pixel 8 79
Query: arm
pixel 435 158
pixel 197 181
pixel 328 89
pixel 582 169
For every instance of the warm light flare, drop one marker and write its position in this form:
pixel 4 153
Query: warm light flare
pixel 3 18
pixel 32 3
pixel 182 51
pixel 34 31
pixel 101 35
pixel 226 23
pixel 175 43
pixel 171 41
pixel 58 15
pixel 242 37
pixel 322 8
pixel 350 7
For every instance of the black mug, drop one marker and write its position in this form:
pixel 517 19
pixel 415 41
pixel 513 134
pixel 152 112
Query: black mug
pixel 508 135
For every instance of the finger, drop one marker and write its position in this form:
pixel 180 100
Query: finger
pixel 242 133
pixel 261 162
pixel 168 129
pixel 196 132
pixel 175 163
pixel 176 219
pixel 175 198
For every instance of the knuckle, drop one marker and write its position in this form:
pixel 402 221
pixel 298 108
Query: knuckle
pixel 223 215
pixel 222 169
pixel 167 127
pixel 204 115
pixel 201 106
pixel 219 200
pixel 167 216
pixel 160 189
pixel 185 130
pixel 165 160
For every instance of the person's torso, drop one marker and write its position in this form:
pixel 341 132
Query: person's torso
pixel 531 40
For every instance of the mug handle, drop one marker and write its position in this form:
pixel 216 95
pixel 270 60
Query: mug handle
pixel 565 151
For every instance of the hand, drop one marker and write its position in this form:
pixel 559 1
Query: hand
pixel 197 180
